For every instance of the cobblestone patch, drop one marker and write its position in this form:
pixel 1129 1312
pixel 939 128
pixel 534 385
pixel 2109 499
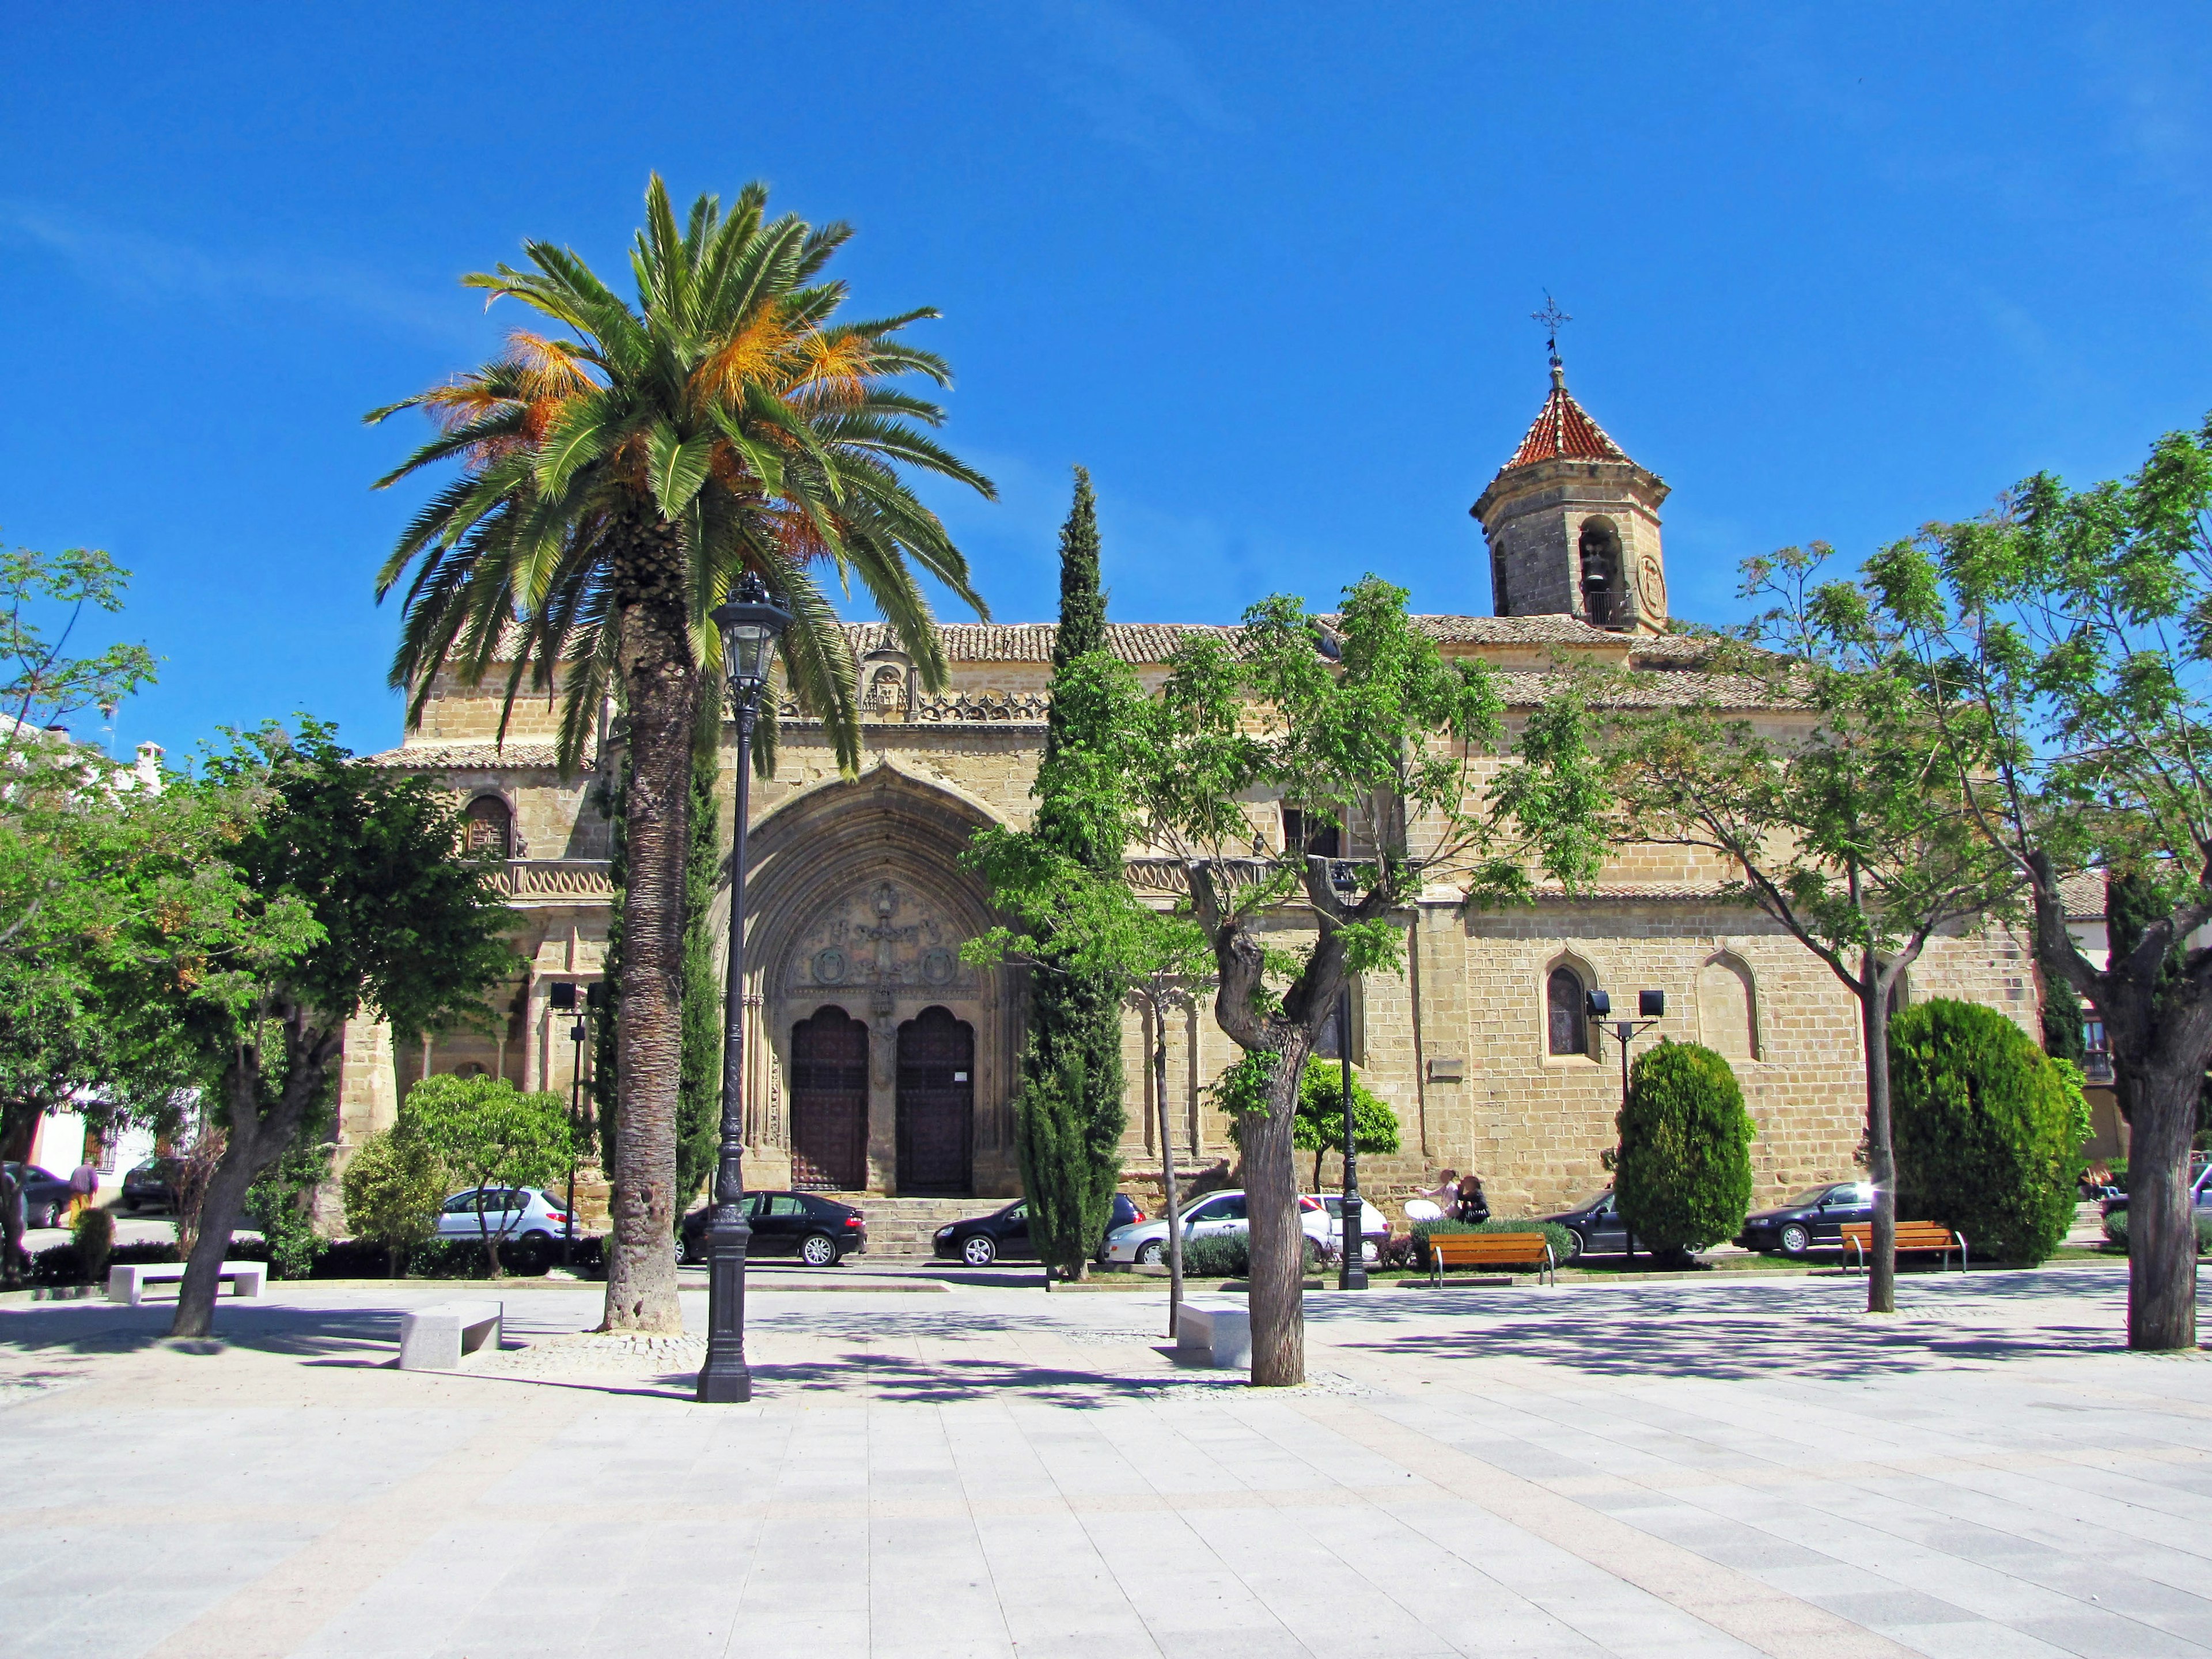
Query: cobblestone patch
pixel 597 1353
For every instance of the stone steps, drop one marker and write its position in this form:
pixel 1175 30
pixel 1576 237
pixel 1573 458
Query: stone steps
pixel 906 1227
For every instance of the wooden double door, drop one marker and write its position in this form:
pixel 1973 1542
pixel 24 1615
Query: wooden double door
pixel 830 1103
pixel 936 1105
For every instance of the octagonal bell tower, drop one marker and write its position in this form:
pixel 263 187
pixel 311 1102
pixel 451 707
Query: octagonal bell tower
pixel 1573 525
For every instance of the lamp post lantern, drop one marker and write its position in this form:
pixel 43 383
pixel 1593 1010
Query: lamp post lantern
pixel 750 622
pixel 1351 1235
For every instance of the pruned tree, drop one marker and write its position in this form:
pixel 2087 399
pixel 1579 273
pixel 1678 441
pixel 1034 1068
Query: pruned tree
pixel 492 1135
pixel 1356 721
pixel 2064 643
pixel 1836 810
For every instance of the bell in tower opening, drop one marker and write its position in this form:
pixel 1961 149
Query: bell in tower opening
pixel 1573 525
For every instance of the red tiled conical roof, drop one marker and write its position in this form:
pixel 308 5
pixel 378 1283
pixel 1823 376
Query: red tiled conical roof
pixel 1564 429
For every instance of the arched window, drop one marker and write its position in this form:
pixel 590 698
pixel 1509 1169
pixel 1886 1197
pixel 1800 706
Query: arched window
pixel 1568 1030
pixel 491 827
pixel 1727 1009
pixel 1603 602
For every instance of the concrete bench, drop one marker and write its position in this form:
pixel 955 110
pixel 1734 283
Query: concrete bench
pixel 434 1339
pixel 127 1284
pixel 1224 1333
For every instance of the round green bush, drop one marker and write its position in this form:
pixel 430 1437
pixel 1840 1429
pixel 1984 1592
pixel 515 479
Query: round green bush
pixel 1984 1127
pixel 1683 1176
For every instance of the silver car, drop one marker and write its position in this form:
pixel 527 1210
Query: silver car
pixel 1374 1226
pixel 1146 1241
pixel 519 1212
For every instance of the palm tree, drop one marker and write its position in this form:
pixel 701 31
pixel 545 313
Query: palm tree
pixel 613 485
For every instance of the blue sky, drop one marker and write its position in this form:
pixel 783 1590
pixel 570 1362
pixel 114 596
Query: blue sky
pixel 1267 271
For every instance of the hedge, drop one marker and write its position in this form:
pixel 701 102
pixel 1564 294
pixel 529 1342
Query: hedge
pixel 1985 1130
pixel 1561 1239
pixel 1229 1255
pixel 346 1258
pixel 1683 1177
pixel 2116 1229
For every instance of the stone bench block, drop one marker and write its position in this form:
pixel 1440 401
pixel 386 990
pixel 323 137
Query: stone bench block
pixel 1222 1332
pixel 128 1285
pixel 434 1339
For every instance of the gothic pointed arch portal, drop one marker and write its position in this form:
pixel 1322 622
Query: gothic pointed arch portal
pixel 858 905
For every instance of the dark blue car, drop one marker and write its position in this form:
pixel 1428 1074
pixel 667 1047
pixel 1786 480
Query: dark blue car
pixel 1812 1219
pixel 982 1239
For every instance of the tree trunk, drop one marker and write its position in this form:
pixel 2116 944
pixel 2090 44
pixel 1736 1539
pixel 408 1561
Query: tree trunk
pixel 1881 1147
pixel 219 1214
pixel 2161 1225
pixel 1277 1295
pixel 1167 1166
pixel 662 683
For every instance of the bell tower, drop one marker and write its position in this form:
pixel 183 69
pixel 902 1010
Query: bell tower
pixel 1573 524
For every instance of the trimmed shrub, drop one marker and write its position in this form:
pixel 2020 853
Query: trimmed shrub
pixel 1682 1178
pixel 1561 1240
pixel 92 1233
pixel 2116 1230
pixel 392 1188
pixel 1229 1255
pixel 1985 1130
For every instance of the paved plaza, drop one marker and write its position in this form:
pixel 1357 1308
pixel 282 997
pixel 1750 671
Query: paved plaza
pixel 1674 1467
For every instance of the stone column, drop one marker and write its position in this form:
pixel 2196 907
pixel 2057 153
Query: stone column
pixel 883 1093
pixel 530 994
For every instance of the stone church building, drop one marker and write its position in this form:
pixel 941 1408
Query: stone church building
pixel 880 1063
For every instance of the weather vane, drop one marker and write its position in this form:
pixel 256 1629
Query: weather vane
pixel 1551 316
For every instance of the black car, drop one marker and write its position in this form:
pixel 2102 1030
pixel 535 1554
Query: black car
pixel 982 1239
pixel 819 1231
pixel 45 1195
pixel 151 1186
pixel 1812 1218
pixel 1597 1227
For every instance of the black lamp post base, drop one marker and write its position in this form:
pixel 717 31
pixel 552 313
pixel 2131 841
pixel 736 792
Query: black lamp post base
pixel 1351 1279
pixel 726 1379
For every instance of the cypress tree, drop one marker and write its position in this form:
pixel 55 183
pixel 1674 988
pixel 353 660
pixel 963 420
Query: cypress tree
pixel 699 1100
pixel 1069 1117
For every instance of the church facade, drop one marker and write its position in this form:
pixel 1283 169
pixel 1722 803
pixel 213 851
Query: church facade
pixel 879 1062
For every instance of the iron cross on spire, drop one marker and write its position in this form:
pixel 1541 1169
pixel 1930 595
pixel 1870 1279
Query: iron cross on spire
pixel 1551 316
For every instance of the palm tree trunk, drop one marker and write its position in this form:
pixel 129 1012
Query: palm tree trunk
pixel 662 683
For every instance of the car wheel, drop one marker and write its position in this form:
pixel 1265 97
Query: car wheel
pixel 1795 1239
pixel 45 1217
pixel 1149 1255
pixel 1573 1249
pixel 979 1249
pixel 818 1251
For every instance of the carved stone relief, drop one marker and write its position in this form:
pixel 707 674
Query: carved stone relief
pixel 882 939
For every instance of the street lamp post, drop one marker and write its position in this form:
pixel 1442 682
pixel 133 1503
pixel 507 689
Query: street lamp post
pixel 1351 1237
pixel 1650 1007
pixel 751 622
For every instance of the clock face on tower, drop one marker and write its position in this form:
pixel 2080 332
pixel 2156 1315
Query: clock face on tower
pixel 1652 585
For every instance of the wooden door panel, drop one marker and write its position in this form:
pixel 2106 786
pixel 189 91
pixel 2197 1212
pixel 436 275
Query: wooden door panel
pixel 829 1103
pixel 936 1103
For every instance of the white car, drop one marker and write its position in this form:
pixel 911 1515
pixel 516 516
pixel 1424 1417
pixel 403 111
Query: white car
pixel 1216 1213
pixel 1374 1225
pixel 519 1212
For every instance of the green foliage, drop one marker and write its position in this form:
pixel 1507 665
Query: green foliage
pixel 1229 1255
pixel 1071 1163
pixel 1241 1091
pixel 1683 1175
pixel 2063 1035
pixel 699 1097
pixel 2116 1230
pixel 1987 1140
pixel 1561 1239
pixel 281 1200
pixel 92 1233
pixel 393 1187
pixel 488 1134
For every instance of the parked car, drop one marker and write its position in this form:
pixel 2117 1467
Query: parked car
pixel 981 1239
pixel 45 1195
pixel 1596 1226
pixel 2200 1194
pixel 534 1219
pixel 1146 1241
pixel 1374 1225
pixel 152 1185
pixel 1814 1217
pixel 820 1232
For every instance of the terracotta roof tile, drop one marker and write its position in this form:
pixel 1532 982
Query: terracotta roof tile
pixel 1564 431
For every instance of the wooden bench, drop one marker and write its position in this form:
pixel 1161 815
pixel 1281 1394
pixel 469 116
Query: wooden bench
pixel 127 1284
pixel 1490 1250
pixel 1223 1333
pixel 1858 1239
pixel 434 1339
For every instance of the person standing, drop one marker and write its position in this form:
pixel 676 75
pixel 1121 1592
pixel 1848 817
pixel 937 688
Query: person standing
pixel 15 1259
pixel 84 1182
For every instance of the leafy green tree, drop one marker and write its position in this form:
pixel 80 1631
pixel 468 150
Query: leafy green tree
pixel 488 1134
pixel 1319 1128
pixel 2064 640
pixel 1987 1138
pixel 281 1200
pixel 1837 812
pixel 393 1185
pixel 356 897
pixel 1359 720
pixel 614 485
pixel 699 1106
pixel 1682 1179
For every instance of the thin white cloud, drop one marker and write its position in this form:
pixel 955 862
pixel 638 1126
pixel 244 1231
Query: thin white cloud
pixel 1137 83
pixel 151 269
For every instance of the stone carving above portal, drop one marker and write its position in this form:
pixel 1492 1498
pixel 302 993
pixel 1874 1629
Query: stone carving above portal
pixel 883 939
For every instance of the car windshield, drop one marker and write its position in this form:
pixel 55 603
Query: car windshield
pixel 1810 1195
pixel 1592 1202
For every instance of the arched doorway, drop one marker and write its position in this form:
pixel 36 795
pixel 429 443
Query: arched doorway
pixel 936 1103
pixel 829 1103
